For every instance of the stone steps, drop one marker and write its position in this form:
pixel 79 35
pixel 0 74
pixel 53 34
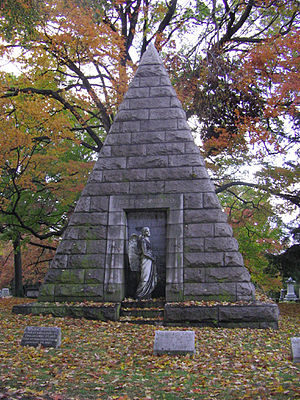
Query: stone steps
pixel 142 312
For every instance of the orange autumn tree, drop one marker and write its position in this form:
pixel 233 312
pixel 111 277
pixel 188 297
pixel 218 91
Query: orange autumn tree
pixel 42 173
pixel 35 261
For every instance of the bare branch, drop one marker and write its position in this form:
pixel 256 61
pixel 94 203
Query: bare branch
pixel 295 199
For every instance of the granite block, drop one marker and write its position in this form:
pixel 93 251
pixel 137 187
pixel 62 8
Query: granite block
pixel 149 71
pixel 169 173
pixel 148 137
pixel 129 127
pixel 186 160
pixel 150 103
pixel 106 188
pixel 184 186
pixel 162 91
pixel 223 291
pixel 158 125
pixel 65 290
pixel 83 204
pixel 110 163
pixel 65 276
pixel 99 203
pixel 88 219
pixel 71 247
pixel 190 313
pixel 147 162
pixel 127 150
pixel 227 274
pixel 234 259
pixel 198 230
pixel 149 187
pixel 191 147
pixel 177 135
pixel 204 215
pixel 210 200
pixel 245 291
pixel 87 261
pixel 223 229
pixel 194 275
pixel 199 259
pixel 255 313
pixel 221 244
pixel 166 113
pixel 96 176
pixel 193 200
pixel 149 81
pixel 164 149
pixel 59 261
pixel 95 276
pixel 135 93
pixel 121 138
pixel 193 244
pixel 132 115
pixel 125 175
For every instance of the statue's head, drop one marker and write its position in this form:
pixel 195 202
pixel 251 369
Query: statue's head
pixel 145 231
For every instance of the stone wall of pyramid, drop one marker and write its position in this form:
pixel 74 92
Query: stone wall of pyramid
pixel 149 161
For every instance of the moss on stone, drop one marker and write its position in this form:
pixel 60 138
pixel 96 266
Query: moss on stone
pixel 47 292
pixel 72 276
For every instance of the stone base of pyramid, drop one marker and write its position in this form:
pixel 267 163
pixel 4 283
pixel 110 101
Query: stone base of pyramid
pixel 101 311
pixel 252 315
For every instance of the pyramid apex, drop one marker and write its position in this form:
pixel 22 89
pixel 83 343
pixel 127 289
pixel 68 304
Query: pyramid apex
pixel 151 56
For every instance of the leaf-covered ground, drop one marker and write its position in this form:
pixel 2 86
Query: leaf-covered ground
pixel 112 360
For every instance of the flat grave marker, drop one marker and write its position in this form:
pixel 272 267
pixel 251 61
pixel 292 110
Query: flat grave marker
pixel 174 342
pixel 5 292
pixel 41 335
pixel 296 349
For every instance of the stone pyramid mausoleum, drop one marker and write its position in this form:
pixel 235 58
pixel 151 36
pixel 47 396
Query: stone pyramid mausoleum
pixel 149 173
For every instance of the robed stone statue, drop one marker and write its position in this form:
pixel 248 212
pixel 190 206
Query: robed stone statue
pixel 141 260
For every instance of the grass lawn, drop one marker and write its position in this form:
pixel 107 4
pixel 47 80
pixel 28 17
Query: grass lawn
pixel 99 360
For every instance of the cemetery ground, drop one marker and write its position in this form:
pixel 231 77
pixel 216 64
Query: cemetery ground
pixel 112 360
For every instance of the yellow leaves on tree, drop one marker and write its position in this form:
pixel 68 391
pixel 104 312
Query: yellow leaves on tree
pixel 273 64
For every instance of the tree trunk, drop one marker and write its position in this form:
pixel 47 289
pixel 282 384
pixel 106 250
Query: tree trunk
pixel 18 267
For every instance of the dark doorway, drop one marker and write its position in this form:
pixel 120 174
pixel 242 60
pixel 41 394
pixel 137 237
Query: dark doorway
pixel 156 220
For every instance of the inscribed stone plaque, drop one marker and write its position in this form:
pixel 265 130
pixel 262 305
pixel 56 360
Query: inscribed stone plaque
pixel 41 335
pixel 5 292
pixel 174 342
pixel 296 349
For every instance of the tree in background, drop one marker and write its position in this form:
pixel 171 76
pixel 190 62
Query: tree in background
pixel 238 80
pixel 35 261
pixel 42 173
pixel 258 231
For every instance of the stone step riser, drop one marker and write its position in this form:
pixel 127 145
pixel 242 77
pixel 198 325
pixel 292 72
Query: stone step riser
pixel 143 322
pixel 142 313
pixel 142 304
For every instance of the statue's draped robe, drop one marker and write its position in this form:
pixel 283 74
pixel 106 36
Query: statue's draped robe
pixel 148 276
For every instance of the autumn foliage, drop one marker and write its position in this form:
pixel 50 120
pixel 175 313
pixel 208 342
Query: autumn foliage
pixel 112 360
pixel 35 262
